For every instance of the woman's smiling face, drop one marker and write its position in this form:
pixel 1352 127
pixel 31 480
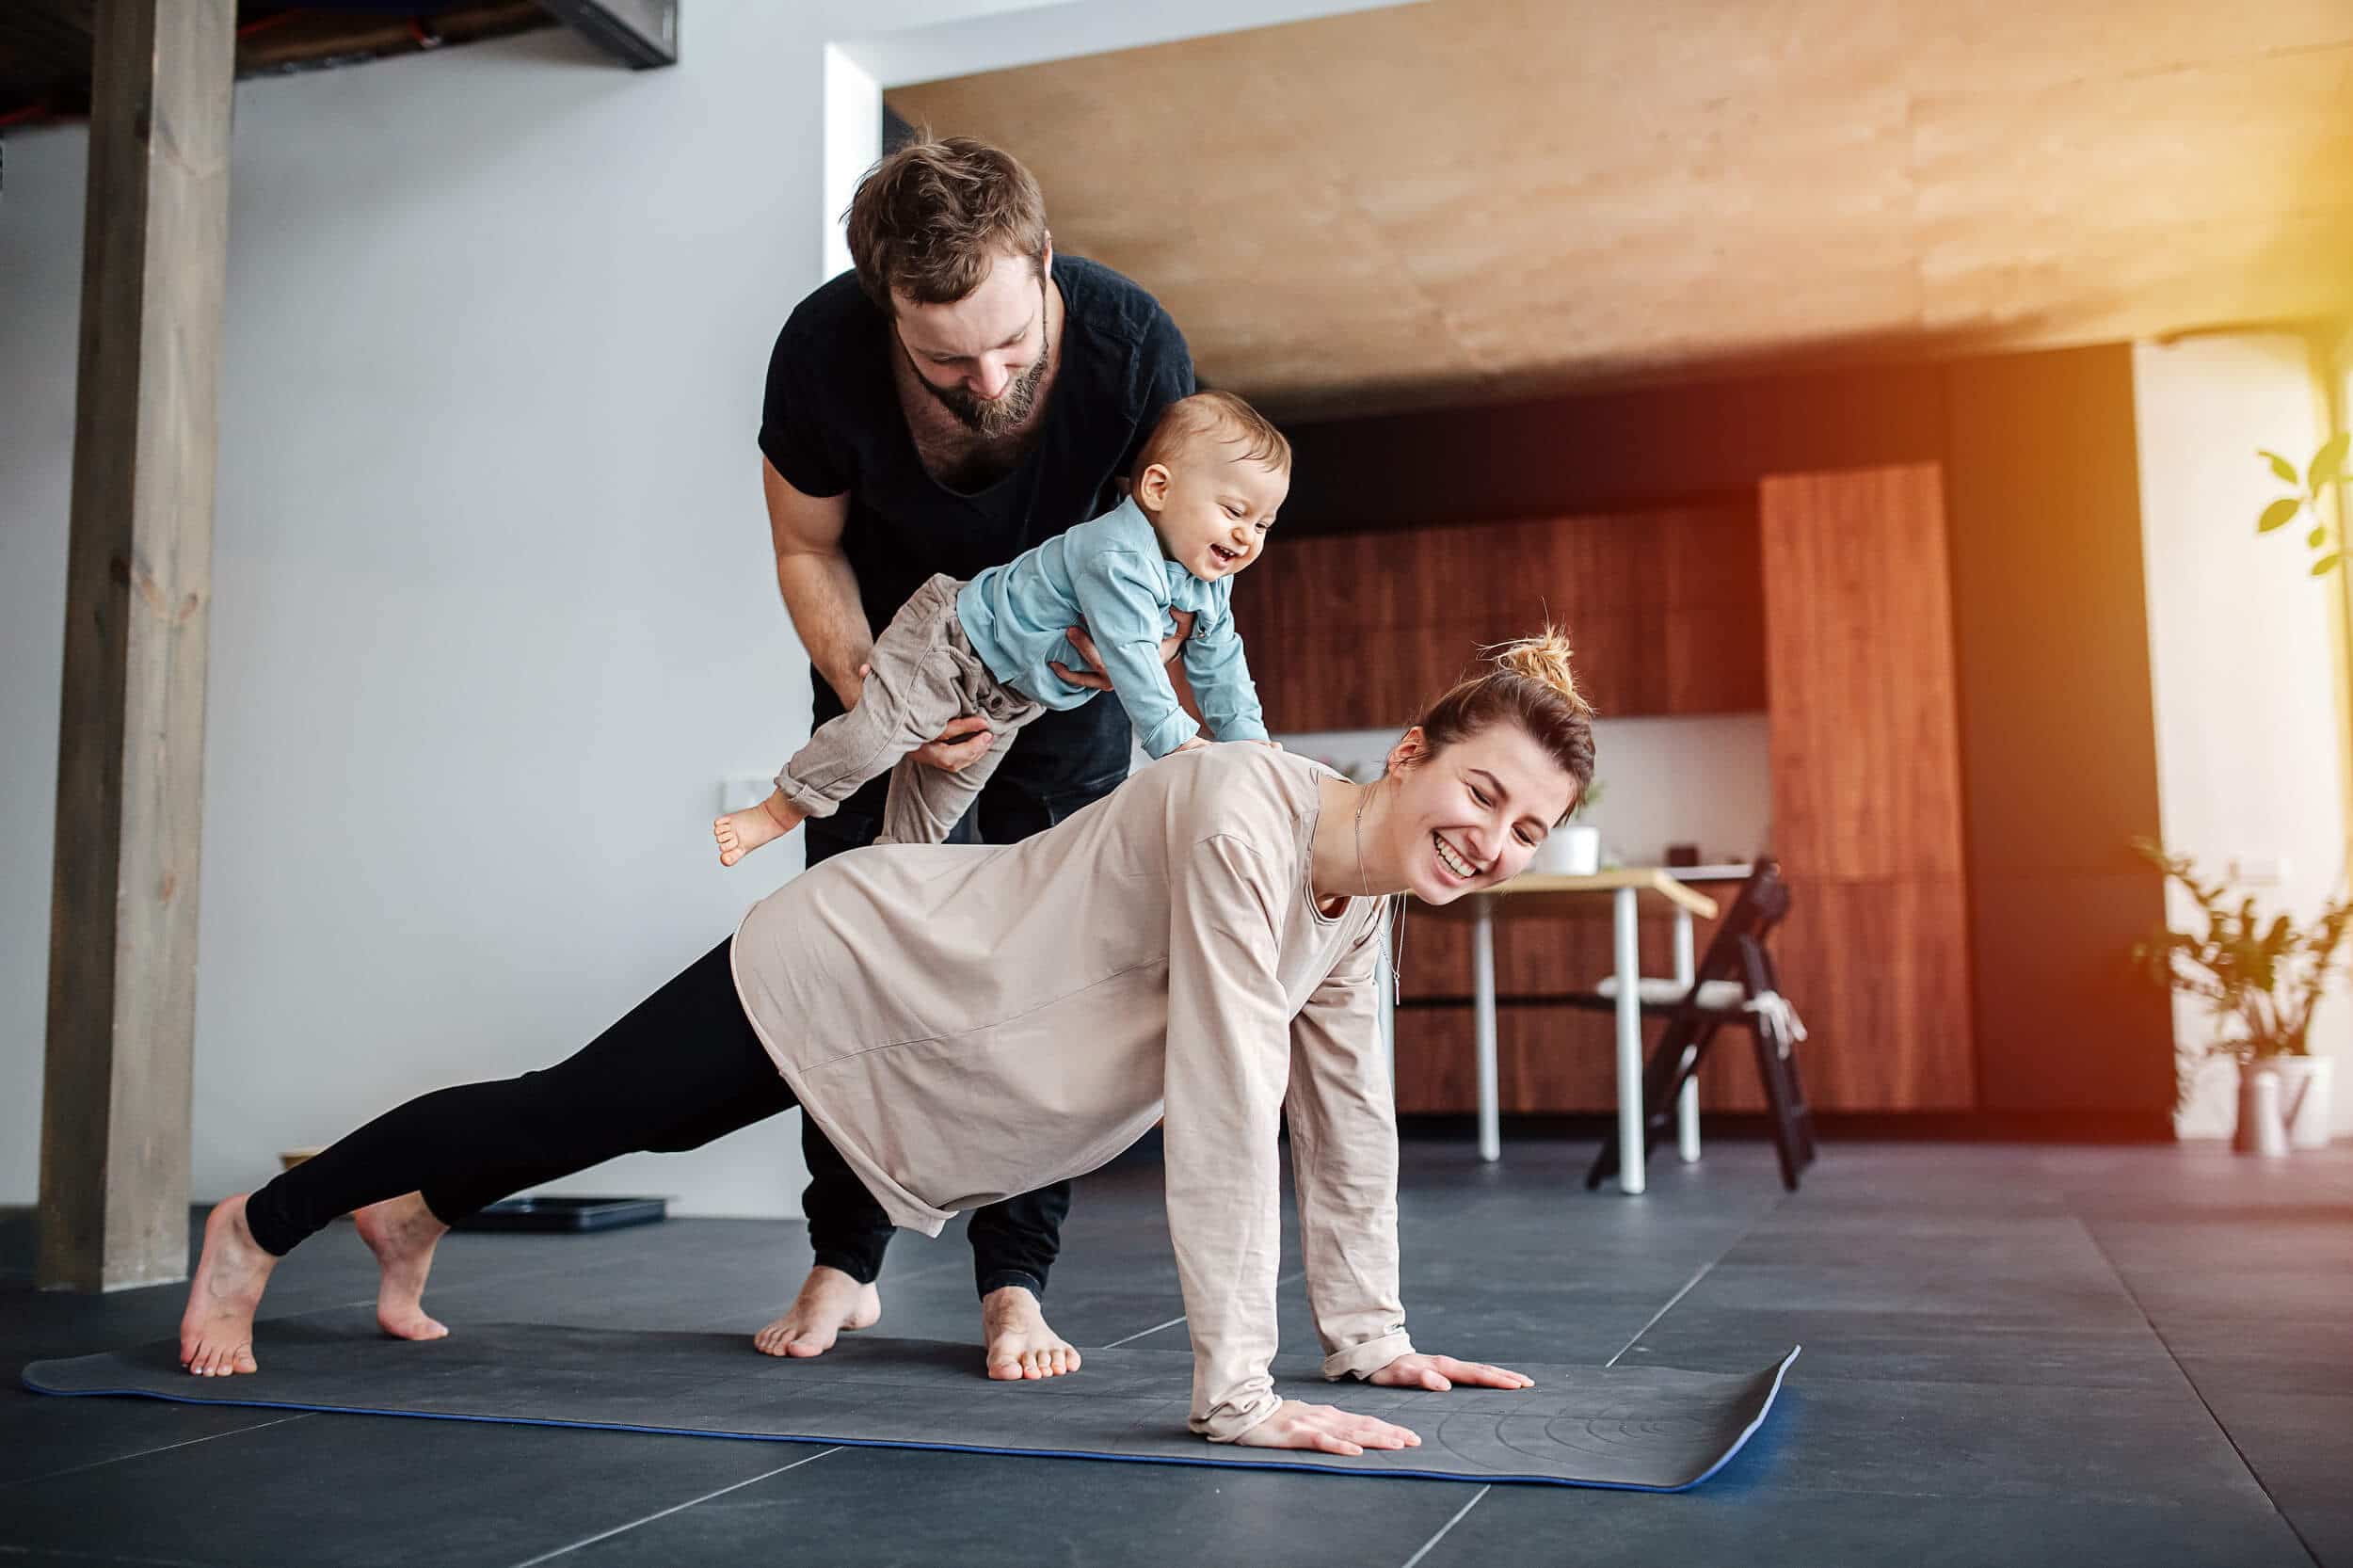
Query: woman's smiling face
pixel 1472 814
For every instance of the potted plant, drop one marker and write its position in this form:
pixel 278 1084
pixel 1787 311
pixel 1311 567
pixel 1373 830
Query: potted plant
pixel 1573 848
pixel 2327 468
pixel 2259 979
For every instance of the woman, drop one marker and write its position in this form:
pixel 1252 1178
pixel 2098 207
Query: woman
pixel 1198 948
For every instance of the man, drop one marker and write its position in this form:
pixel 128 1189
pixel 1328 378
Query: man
pixel 961 395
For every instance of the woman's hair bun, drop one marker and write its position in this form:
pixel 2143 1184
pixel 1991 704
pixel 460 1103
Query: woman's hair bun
pixel 1544 659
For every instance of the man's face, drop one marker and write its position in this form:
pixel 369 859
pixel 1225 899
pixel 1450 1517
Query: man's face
pixel 984 356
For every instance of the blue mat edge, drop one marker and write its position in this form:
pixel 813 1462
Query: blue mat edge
pixel 1772 1395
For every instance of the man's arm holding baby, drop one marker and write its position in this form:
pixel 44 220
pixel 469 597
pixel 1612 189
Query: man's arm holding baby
pixel 821 595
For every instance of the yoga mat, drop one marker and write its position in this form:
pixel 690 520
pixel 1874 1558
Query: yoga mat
pixel 1649 1428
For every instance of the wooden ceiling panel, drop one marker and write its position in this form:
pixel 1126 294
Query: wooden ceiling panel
pixel 1463 197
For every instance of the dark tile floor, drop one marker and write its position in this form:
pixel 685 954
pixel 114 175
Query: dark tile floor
pixel 2013 1356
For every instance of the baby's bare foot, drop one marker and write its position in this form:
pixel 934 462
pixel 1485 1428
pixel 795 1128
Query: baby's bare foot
pixel 401 1232
pixel 1019 1343
pixel 830 1302
pixel 216 1330
pixel 740 832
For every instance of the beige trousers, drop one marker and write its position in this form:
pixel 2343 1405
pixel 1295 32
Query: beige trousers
pixel 922 676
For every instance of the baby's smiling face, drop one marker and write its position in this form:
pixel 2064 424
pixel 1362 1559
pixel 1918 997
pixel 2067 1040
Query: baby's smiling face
pixel 1211 504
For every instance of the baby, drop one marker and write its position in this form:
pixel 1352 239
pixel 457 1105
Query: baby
pixel 1207 488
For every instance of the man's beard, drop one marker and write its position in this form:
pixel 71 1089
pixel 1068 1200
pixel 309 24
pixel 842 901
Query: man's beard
pixel 992 416
pixel 1009 410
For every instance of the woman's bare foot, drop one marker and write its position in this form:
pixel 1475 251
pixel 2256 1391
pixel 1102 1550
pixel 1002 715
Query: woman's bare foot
pixel 401 1233
pixel 1019 1343
pixel 830 1302
pixel 216 1330
pixel 740 832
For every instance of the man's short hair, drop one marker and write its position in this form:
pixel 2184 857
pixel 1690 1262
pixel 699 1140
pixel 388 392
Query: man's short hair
pixel 928 220
pixel 1221 414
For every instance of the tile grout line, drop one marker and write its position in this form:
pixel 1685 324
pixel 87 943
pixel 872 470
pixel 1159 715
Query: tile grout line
pixel 120 1459
pixel 1448 1525
pixel 2204 1403
pixel 1745 1231
pixel 1688 1284
pixel 676 1508
pixel 1286 1279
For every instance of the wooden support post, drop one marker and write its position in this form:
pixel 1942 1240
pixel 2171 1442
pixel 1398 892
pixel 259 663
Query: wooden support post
pixel 114 1156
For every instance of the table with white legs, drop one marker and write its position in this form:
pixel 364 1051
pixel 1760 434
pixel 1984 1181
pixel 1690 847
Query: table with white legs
pixel 1534 893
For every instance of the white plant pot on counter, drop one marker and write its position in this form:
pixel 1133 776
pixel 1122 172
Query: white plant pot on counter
pixel 2303 1095
pixel 1573 850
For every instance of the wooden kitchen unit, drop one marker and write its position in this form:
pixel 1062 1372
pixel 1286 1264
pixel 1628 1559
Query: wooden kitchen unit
pixel 1822 599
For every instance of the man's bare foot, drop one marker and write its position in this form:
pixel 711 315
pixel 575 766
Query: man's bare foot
pixel 401 1233
pixel 740 832
pixel 216 1330
pixel 830 1302
pixel 1019 1343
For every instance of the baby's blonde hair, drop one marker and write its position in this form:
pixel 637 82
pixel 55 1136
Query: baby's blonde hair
pixel 1221 414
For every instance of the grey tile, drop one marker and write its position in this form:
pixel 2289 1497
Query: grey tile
pixel 852 1508
pixel 43 1436
pixel 1911 1346
pixel 1958 1282
pixel 366 1491
pixel 2327 1531
pixel 2256 1353
pixel 2301 1446
pixel 2252 1295
pixel 1747 1520
pixel 1964 1440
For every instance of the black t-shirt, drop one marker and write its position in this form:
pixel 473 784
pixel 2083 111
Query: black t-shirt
pixel 832 422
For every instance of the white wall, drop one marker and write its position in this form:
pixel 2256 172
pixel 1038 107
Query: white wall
pixel 493 609
pixel 493 614
pixel 2250 755
pixel 1703 780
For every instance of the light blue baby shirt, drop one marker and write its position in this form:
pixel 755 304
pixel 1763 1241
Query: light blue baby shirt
pixel 1110 573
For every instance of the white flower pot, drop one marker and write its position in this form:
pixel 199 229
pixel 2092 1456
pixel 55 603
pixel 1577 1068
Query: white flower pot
pixel 2305 1099
pixel 2261 1128
pixel 2299 1100
pixel 1572 850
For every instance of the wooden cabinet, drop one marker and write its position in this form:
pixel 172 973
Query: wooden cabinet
pixel 1361 630
pixel 1867 785
pixel 1854 619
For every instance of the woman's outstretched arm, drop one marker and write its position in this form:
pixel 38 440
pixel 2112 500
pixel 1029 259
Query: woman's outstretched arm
pixel 1343 1122
pixel 1225 1064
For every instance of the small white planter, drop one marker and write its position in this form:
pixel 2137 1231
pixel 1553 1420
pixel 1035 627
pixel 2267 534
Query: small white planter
pixel 2302 1104
pixel 2305 1099
pixel 1571 849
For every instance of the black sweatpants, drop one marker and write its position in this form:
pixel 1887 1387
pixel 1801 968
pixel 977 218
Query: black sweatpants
pixel 681 1069
pixel 1047 777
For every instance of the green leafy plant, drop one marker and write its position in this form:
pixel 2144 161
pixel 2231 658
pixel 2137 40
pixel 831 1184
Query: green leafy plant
pixel 1586 802
pixel 2260 978
pixel 2327 468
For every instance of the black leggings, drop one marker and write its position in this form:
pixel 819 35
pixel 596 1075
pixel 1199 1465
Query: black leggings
pixel 681 1069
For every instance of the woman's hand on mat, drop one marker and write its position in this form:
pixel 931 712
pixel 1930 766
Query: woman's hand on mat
pixel 1092 676
pixel 959 746
pixel 1439 1373
pixel 1327 1428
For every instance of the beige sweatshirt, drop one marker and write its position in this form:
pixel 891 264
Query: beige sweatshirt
pixel 969 1023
